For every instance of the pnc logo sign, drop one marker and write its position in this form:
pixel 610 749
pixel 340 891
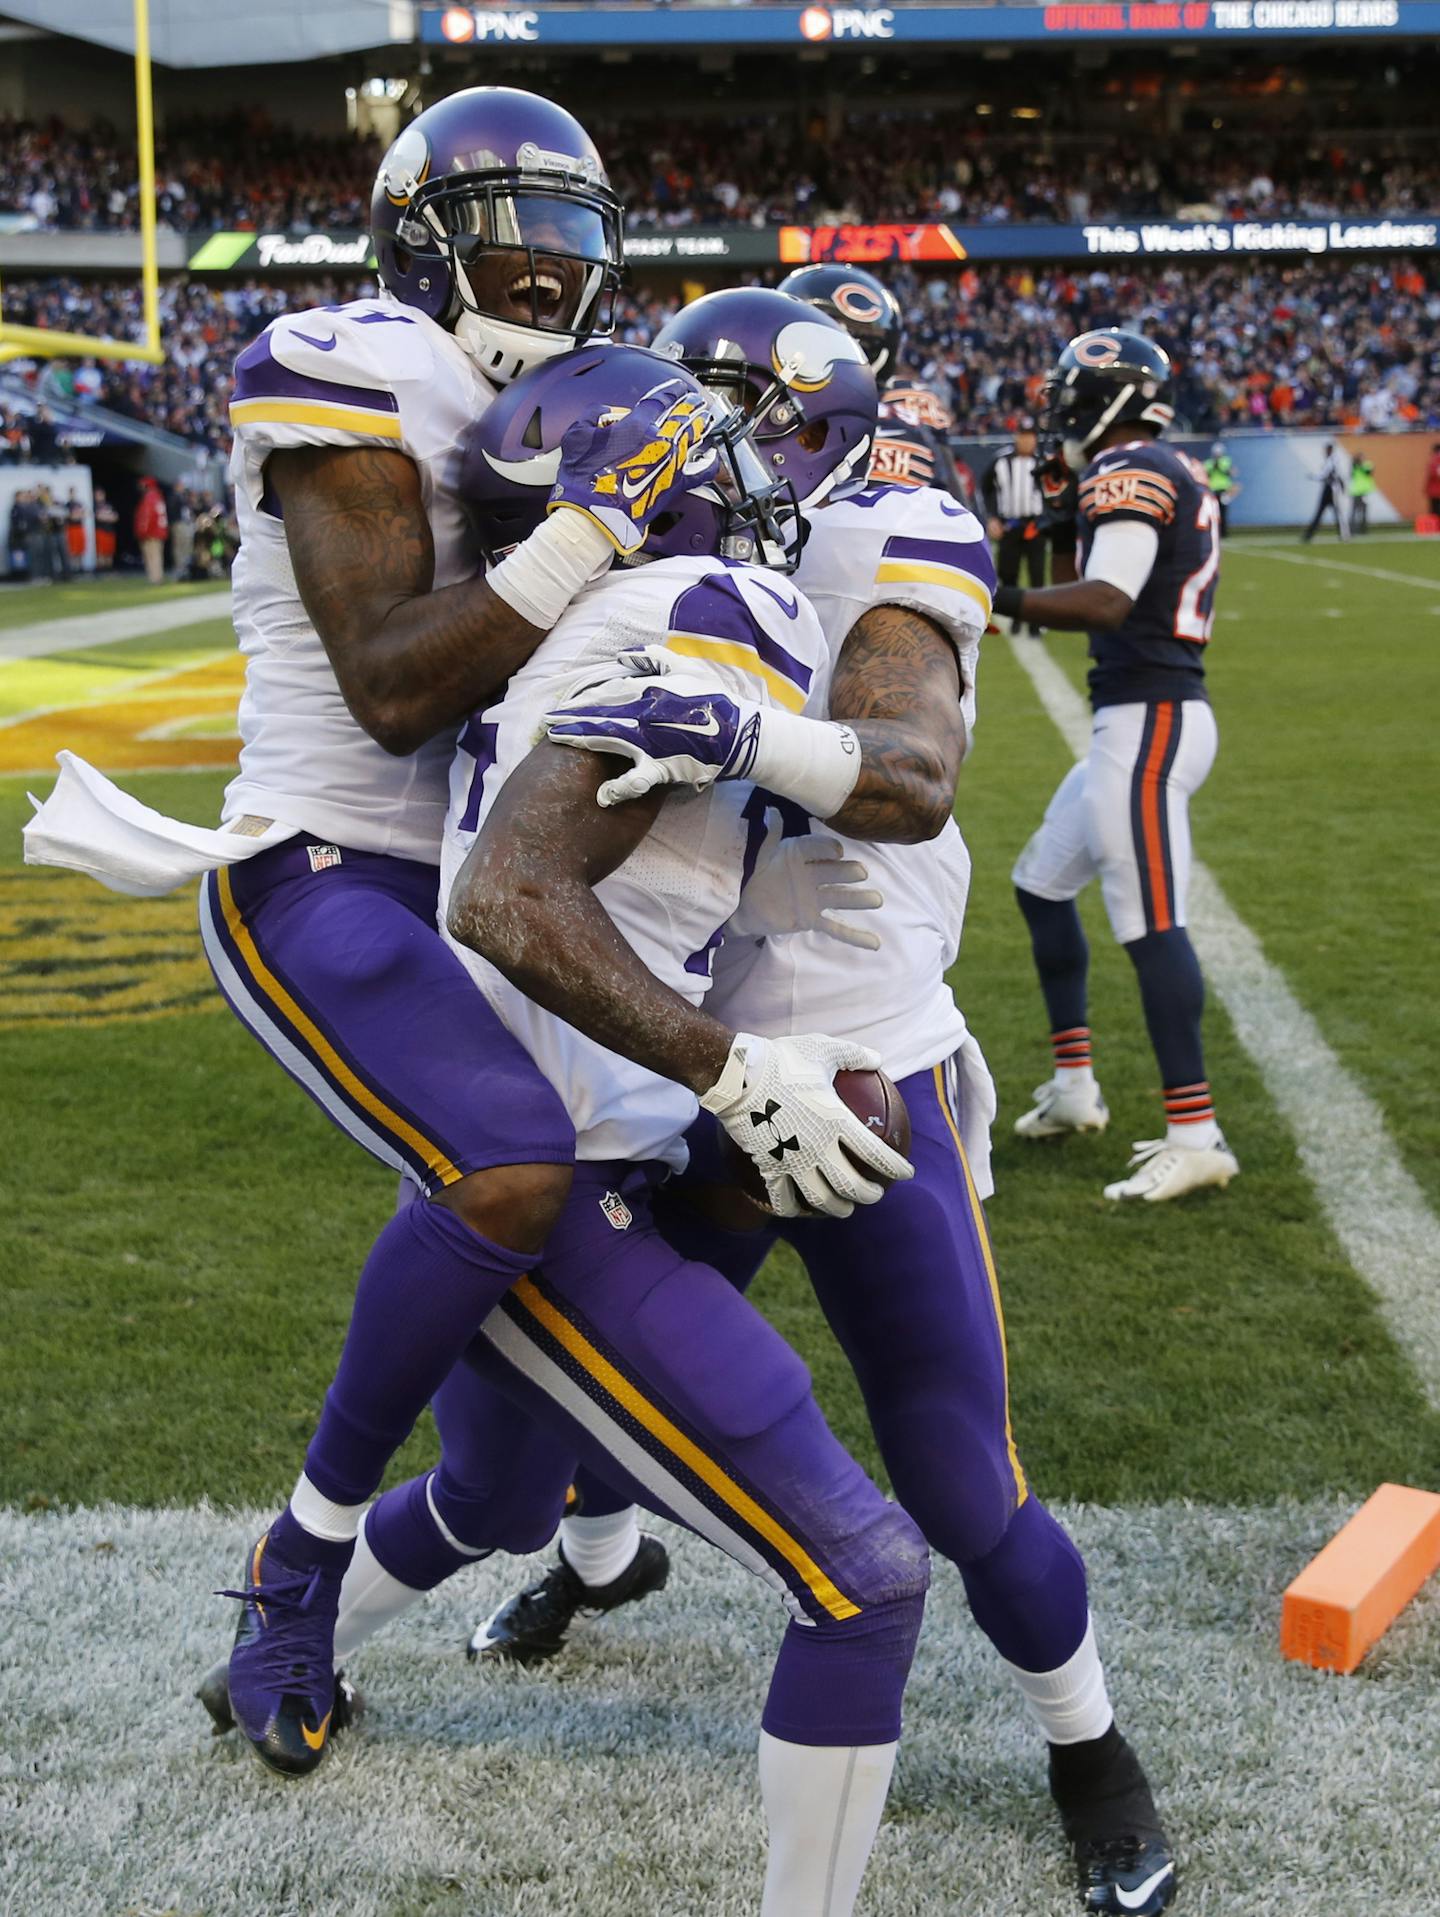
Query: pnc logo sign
pixel 847 23
pixel 461 24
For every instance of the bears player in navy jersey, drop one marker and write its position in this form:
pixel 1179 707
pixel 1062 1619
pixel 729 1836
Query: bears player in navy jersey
pixel 1149 557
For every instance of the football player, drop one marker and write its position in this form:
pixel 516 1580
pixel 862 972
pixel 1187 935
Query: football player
pixel 912 442
pixel 369 635
pixel 1149 545
pixel 590 932
pixel 329 956
pixel 902 584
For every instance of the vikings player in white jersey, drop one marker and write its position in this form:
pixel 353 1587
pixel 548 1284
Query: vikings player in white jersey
pixel 902 582
pixel 369 635
pixel 591 933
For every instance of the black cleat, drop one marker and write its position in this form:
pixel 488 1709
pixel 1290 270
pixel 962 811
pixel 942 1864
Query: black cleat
pixel 532 1626
pixel 214 1694
pixel 1124 1863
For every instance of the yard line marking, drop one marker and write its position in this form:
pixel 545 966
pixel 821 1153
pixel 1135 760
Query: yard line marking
pixel 1338 565
pixel 1374 1206
pixel 87 629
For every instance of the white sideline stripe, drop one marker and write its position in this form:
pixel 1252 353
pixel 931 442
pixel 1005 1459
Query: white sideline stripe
pixel 87 629
pixel 1373 1204
pixel 1321 559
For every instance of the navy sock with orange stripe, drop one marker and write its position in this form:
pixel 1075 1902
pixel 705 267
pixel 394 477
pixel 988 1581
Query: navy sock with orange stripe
pixel 1062 958
pixel 427 1285
pixel 1172 991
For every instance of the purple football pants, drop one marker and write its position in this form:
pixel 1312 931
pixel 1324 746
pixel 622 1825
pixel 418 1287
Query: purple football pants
pixel 908 1286
pixel 654 1369
pixel 334 961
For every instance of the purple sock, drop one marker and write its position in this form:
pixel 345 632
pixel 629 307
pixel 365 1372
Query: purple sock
pixel 842 1683
pixel 296 1546
pixel 427 1285
pixel 1028 1595
pixel 400 1529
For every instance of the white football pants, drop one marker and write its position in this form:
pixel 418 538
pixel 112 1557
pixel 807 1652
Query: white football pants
pixel 1123 815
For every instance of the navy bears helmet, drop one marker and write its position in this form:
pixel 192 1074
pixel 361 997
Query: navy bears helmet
pixel 1101 379
pixel 864 306
pixel 492 215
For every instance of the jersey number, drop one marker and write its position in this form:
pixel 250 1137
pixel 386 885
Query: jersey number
pixel 1195 614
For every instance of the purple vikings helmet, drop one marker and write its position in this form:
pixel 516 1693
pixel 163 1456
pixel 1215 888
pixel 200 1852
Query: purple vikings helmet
pixel 492 215
pixel 736 510
pixel 797 373
pixel 864 306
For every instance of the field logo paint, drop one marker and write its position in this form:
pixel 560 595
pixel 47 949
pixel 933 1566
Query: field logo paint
pixel 74 954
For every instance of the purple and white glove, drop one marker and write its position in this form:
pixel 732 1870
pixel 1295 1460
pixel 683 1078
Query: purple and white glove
pixel 629 463
pixel 674 732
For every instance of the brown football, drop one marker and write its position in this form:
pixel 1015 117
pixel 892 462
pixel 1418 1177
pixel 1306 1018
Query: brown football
pixel 873 1097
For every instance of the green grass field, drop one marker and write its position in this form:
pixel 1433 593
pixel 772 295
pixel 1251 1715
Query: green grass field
pixel 182 1231
pixel 184 1224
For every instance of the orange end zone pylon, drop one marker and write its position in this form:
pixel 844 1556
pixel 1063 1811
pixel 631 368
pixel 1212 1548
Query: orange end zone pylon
pixel 1350 1593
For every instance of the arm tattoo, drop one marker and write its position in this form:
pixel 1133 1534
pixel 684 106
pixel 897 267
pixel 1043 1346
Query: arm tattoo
pixel 525 900
pixel 897 685
pixel 411 662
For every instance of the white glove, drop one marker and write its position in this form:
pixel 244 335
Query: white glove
pixel 776 1098
pixel 796 887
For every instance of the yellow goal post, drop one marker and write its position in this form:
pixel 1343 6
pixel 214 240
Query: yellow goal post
pixel 40 342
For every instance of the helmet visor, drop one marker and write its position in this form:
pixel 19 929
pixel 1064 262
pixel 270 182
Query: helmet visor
pixel 548 257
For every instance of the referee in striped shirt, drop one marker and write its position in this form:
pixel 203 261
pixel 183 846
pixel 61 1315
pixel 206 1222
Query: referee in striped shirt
pixel 1013 505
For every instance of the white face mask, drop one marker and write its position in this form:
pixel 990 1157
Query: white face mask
pixel 503 351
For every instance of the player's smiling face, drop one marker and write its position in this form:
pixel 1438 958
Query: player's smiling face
pixel 529 289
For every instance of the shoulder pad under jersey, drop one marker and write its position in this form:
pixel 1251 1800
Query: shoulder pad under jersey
pixel 330 377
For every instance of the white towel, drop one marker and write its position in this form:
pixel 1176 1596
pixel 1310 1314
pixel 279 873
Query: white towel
pixel 89 825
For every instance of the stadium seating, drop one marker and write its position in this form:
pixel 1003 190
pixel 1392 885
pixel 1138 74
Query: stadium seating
pixel 886 165
pixel 1257 344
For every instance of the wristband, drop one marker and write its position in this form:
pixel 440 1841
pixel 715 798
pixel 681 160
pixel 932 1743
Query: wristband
pixel 1007 601
pixel 544 572
pixel 813 762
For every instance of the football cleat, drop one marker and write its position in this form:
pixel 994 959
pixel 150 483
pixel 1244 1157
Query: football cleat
pixel 1123 1862
pixel 281 1680
pixel 1061 1107
pixel 214 1694
pixel 1160 1170
pixel 532 1626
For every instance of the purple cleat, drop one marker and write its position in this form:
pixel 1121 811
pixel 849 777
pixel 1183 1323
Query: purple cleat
pixel 282 1664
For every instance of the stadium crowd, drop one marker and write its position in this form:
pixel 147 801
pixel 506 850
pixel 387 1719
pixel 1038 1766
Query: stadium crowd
pixel 1263 345
pixel 243 172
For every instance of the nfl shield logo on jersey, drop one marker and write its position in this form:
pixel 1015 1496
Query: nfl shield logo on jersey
pixel 617 1212
pixel 322 856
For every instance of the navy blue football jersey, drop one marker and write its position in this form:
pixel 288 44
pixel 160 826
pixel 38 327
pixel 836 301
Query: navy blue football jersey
pixel 1159 651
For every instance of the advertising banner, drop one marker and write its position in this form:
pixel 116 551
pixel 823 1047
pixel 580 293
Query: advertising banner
pixel 817 25
pixel 1108 240
pixel 920 242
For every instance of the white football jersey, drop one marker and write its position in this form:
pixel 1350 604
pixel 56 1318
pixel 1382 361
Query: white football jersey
pixel 371 373
pixel 885 546
pixel 751 635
